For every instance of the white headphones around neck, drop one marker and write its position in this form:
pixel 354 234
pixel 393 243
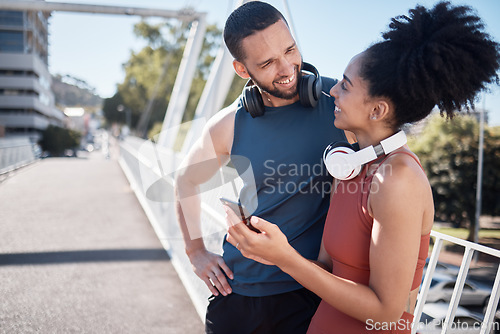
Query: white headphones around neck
pixel 344 162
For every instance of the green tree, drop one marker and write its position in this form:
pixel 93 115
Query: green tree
pixel 235 90
pixel 110 109
pixel 491 172
pixel 151 72
pixel 56 140
pixel 448 151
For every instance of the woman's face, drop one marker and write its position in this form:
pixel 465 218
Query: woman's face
pixel 352 101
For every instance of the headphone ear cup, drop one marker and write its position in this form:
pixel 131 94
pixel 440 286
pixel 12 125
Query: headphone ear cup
pixel 309 86
pixel 306 91
pixel 337 162
pixel 252 101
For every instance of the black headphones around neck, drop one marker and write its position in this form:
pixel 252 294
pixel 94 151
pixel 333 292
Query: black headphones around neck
pixel 309 89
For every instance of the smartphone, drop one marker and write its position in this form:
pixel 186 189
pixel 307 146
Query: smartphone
pixel 240 211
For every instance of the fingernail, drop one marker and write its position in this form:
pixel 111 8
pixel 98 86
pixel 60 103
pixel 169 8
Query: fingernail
pixel 229 291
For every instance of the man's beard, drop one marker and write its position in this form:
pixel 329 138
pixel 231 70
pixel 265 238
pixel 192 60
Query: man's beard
pixel 275 91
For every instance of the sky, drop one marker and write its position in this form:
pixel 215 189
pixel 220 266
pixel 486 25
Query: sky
pixel 93 47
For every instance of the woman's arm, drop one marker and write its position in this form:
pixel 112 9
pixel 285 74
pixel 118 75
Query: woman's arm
pixel 397 207
pixel 324 260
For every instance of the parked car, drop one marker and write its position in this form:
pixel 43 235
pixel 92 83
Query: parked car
pixel 434 314
pixel 496 319
pixel 441 290
pixel 443 268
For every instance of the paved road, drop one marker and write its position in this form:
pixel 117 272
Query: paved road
pixel 78 255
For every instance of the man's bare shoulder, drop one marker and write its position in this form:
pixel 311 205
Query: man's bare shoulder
pixel 220 127
pixel 223 118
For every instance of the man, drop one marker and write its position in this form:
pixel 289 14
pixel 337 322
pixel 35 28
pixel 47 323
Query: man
pixel 284 147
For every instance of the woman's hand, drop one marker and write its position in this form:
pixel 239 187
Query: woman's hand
pixel 269 247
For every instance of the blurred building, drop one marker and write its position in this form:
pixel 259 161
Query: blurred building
pixel 26 101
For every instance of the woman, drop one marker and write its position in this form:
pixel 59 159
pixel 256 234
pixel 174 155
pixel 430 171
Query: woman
pixel 376 235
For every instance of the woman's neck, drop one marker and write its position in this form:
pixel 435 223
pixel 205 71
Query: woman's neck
pixel 373 137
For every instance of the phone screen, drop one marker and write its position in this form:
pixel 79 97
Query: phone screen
pixel 240 211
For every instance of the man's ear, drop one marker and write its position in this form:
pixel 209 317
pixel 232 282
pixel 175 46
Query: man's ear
pixel 240 69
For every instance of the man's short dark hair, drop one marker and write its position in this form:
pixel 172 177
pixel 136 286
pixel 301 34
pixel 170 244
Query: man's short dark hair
pixel 244 21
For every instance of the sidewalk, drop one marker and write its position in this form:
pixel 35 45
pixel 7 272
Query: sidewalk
pixel 78 255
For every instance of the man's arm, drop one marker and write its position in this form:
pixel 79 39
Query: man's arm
pixel 203 160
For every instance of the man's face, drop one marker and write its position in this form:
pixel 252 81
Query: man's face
pixel 273 61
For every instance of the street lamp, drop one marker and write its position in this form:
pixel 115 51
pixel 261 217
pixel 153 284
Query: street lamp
pixel 479 185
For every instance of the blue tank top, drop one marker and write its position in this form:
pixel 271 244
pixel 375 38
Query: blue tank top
pixel 289 185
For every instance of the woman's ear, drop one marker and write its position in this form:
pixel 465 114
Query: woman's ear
pixel 381 110
pixel 240 69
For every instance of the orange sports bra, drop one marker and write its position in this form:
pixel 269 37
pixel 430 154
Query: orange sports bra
pixel 347 239
pixel 348 223
pixel 424 239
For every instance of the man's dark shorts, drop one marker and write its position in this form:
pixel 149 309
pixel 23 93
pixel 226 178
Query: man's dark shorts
pixel 286 313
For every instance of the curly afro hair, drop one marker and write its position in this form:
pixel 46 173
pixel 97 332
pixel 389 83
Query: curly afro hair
pixel 432 57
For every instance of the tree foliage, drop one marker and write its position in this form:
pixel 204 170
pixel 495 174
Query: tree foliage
pixel 448 151
pixel 151 72
pixel 56 140
pixel 110 109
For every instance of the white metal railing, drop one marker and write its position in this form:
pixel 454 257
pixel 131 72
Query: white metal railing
pixel 146 164
pixel 470 249
pixel 15 153
pixel 143 166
